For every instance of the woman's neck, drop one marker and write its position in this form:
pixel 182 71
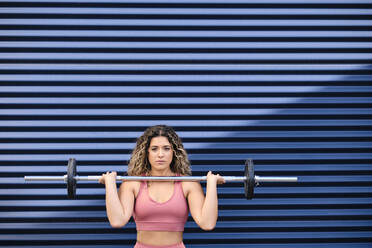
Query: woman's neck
pixel 162 173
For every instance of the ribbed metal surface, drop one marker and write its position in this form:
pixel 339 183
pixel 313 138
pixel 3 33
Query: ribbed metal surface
pixel 284 82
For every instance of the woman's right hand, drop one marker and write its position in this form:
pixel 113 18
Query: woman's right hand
pixel 108 177
pixel 215 179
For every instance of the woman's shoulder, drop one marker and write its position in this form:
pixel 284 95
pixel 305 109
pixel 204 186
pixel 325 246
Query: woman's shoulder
pixel 131 184
pixel 189 186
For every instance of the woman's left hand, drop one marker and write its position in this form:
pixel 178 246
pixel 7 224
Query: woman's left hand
pixel 216 179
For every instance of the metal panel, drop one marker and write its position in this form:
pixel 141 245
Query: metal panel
pixel 285 82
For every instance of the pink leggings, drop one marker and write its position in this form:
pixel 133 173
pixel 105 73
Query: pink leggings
pixel 140 245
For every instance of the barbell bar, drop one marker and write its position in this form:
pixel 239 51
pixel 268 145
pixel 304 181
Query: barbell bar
pixel 249 179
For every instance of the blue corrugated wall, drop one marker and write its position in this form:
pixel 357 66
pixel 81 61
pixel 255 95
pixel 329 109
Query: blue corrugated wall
pixel 285 82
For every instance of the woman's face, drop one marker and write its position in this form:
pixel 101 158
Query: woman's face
pixel 160 153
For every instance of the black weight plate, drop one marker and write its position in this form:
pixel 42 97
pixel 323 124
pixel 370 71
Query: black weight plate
pixel 249 183
pixel 71 182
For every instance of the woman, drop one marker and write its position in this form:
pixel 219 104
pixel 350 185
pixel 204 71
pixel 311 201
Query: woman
pixel 160 209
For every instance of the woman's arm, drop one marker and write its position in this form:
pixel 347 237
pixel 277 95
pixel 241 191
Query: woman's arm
pixel 119 205
pixel 204 210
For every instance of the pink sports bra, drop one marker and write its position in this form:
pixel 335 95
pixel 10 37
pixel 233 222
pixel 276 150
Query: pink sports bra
pixel 171 215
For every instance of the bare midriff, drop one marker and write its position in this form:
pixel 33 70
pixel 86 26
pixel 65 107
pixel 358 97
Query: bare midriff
pixel 159 237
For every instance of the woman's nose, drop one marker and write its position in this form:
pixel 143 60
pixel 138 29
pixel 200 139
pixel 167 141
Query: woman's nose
pixel 160 154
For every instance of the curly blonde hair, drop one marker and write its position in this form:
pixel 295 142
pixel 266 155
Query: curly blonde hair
pixel 139 163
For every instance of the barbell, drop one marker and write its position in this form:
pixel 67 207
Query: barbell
pixel 250 179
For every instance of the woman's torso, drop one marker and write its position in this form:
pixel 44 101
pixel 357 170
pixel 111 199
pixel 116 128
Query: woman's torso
pixel 159 192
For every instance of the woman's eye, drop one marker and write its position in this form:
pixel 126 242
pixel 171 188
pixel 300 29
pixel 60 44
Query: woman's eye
pixel 167 148
pixel 153 149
